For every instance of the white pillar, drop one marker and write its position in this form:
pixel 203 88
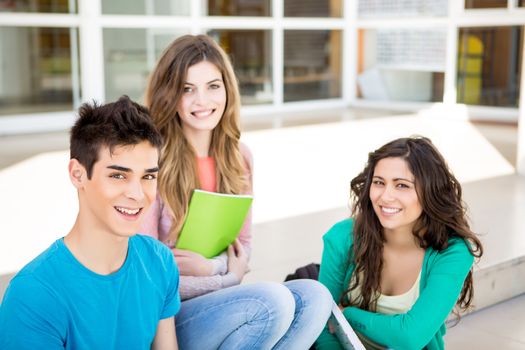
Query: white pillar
pixel 91 51
pixel 520 162
pixel 278 54
pixel 350 52
pixel 455 8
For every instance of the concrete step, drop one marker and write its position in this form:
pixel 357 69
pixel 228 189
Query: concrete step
pixel 497 208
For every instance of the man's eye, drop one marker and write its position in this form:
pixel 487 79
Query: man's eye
pixel 150 177
pixel 117 176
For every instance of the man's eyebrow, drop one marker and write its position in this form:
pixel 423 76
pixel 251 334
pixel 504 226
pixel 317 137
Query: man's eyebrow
pixel 128 170
pixel 120 168
pixel 152 170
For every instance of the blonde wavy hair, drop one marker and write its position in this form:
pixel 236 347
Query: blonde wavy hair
pixel 178 175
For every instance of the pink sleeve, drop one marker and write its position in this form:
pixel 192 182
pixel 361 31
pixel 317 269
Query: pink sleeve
pixel 157 221
pixel 245 235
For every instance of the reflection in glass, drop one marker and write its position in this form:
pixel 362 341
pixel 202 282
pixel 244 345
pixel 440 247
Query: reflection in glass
pixel 313 8
pixel 401 64
pixel 390 8
pixel 251 54
pixel 489 65
pixel 35 69
pixel 129 57
pixel 52 6
pixel 485 4
pixel 312 64
pixel 146 7
pixel 239 8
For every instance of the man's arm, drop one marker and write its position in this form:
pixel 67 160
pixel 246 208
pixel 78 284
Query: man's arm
pixel 165 338
pixel 31 316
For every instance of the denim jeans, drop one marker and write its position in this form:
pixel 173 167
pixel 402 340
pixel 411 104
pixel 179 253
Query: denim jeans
pixel 264 315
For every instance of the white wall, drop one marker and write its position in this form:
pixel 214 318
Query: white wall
pixel 521 120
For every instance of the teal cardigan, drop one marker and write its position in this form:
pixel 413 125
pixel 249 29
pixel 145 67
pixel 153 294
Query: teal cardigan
pixel 423 326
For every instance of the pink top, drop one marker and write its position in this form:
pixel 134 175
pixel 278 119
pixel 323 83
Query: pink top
pixel 157 223
pixel 207 178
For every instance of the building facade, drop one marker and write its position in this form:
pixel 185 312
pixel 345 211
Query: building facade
pixel 289 55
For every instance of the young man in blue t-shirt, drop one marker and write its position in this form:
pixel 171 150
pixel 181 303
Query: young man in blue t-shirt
pixel 101 286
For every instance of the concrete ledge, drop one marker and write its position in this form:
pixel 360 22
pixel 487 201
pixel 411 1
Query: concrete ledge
pixel 498 283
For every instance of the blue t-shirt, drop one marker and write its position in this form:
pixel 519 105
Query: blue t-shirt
pixel 55 302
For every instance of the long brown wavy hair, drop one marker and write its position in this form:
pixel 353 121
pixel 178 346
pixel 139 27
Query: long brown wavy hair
pixel 443 217
pixel 178 175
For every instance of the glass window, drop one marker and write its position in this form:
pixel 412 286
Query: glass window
pixel 240 8
pixel 251 55
pixel 36 69
pixel 390 8
pixel 129 57
pixel 52 6
pixel 489 66
pixel 146 7
pixel 401 64
pixel 485 4
pixel 313 8
pixel 312 64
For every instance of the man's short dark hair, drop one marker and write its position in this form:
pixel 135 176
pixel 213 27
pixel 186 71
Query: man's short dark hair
pixel 120 123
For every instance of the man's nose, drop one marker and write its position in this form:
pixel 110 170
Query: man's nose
pixel 135 191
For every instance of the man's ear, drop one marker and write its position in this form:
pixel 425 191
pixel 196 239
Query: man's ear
pixel 77 173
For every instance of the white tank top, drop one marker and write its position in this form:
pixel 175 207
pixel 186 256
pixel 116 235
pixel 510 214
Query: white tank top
pixel 389 305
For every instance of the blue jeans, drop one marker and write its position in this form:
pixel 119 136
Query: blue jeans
pixel 264 315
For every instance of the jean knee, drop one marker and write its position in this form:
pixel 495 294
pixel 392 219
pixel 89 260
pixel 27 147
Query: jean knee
pixel 277 301
pixel 312 295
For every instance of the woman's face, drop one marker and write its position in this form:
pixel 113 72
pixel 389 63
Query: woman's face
pixel 393 195
pixel 204 98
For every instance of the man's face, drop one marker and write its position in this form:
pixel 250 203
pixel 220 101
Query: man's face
pixel 122 187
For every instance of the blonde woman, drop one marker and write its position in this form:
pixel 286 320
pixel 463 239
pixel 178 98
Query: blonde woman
pixel 194 101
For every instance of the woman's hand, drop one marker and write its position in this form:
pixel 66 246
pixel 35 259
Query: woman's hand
pixel 331 327
pixel 191 263
pixel 237 259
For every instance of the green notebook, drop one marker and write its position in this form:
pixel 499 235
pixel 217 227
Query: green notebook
pixel 213 222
